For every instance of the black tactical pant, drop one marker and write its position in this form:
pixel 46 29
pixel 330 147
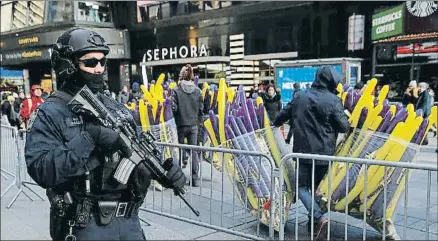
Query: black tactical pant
pixel 120 228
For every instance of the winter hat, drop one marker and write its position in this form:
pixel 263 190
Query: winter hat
pixel 186 73
pixel 413 84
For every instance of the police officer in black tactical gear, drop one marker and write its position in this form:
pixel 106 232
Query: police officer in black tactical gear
pixel 74 157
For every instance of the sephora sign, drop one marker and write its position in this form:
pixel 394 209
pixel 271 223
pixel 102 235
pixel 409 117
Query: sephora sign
pixel 176 53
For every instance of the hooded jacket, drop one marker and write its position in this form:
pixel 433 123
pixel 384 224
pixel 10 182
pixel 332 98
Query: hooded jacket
pixel 317 116
pixel 29 105
pixel 187 104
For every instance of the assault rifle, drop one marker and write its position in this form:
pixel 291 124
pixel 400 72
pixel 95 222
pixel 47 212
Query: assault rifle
pixel 144 146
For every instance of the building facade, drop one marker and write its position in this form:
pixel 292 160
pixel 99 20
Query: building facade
pixel 243 40
pixel 29 29
pixel 405 41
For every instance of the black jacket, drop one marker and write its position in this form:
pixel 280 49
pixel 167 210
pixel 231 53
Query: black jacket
pixel 424 103
pixel 58 151
pixel 272 105
pixel 317 116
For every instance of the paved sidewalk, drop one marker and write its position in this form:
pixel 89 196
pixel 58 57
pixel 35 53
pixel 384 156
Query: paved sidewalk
pixel 27 220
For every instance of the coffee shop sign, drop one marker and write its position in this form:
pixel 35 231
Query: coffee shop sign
pixel 176 53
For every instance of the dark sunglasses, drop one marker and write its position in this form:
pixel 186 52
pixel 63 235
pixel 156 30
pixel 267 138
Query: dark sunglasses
pixel 92 62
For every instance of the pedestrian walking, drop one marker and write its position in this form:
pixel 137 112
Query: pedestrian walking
pixel 123 96
pixel 317 116
pixel 272 102
pixel 187 107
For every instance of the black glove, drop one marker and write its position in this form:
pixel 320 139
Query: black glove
pixel 175 175
pixel 141 180
pixel 277 124
pixel 108 140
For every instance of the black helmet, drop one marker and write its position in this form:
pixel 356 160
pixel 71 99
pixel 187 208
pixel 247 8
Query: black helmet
pixel 71 45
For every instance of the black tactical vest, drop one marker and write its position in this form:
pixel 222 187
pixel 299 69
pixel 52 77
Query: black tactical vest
pixel 101 178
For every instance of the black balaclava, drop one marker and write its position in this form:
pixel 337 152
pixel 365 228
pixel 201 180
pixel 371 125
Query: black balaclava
pixel 94 81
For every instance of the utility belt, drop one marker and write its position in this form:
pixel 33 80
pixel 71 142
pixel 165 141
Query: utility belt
pixel 67 214
pixel 103 211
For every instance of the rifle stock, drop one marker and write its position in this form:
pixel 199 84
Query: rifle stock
pixel 86 101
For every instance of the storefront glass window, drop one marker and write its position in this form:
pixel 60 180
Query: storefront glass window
pixel 143 10
pixel 210 5
pixel 396 77
pixel 60 11
pixel 6 16
pixel 195 6
pixel 225 4
pixel 96 12
pixel 165 10
pixel 154 12
pixel 27 14
pixel 215 71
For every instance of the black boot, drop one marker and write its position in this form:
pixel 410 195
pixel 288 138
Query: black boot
pixel 195 182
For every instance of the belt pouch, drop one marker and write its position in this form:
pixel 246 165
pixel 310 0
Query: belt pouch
pixel 83 210
pixel 57 218
pixel 106 211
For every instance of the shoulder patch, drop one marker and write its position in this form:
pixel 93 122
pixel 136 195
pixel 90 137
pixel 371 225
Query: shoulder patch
pixel 32 119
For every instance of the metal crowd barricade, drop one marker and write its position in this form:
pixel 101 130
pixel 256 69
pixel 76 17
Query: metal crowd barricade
pixel 21 178
pixel 215 197
pixel 8 151
pixel 296 157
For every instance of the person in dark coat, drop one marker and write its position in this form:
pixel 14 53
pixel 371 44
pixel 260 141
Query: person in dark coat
pixel 123 96
pixel 137 94
pixel 74 157
pixel 424 99
pixel 18 101
pixel 424 103
pixel 359 87
pixel 272 102
pixel 8 110
pixel 317 116
pixel 297 89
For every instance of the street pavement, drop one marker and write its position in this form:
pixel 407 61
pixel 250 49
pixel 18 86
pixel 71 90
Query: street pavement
pixel 29 220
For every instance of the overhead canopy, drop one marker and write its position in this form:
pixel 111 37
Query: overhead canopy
pixel 409 38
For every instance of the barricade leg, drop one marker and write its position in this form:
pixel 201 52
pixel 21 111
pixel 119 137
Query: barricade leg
pixel 7 189
pixel 4 176
pixel 4 171
pixel 15 198
pixel 144 221
pixel 25 184
pixel 21 190
pixel 27 195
